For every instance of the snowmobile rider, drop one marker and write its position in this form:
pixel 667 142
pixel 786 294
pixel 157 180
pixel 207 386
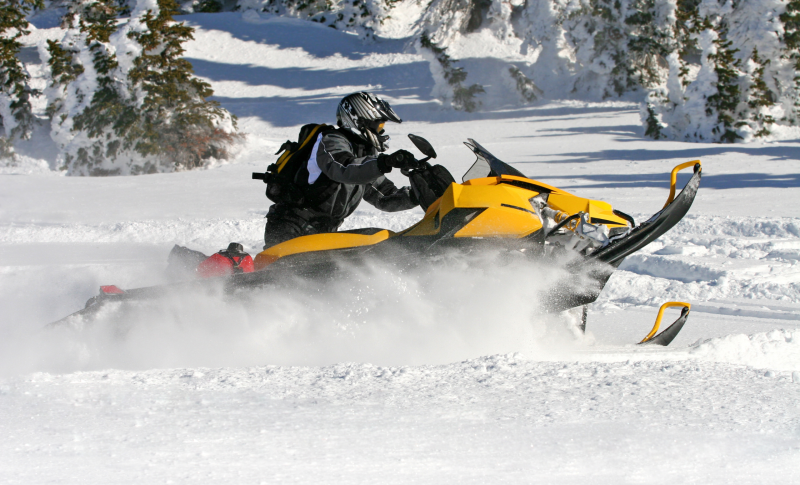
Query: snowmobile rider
pixel 346 164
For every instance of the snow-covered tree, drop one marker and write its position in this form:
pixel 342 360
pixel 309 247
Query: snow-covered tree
pixel 790 21
pixel 731 78
pixel 725 98
pixel 526 88
pixel 123 101
pixel 450 18
pixel 596 48
pixel 596 32
pixel 86 98
pixel 16 117
pixel 361 16
pixel 449 78
pixel 760 99
pixel 650 32
pixel 174 121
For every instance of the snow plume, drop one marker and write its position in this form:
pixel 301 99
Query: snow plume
pixel 454 309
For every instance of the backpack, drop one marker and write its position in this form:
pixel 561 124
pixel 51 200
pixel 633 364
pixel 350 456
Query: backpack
pixel 287 178
pixel 232 260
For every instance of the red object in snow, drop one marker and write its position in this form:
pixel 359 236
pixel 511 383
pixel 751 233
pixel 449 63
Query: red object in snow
pixel 111 290
pixel 222 264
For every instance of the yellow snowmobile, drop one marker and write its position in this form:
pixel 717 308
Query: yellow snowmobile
pixel 494 205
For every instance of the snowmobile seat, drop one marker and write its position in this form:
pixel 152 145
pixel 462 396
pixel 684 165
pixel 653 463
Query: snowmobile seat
pixel 320 242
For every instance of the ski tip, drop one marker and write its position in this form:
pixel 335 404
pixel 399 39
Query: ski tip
pixel 667 336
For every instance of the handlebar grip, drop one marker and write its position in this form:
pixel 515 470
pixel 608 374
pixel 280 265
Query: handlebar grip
pixel 259 176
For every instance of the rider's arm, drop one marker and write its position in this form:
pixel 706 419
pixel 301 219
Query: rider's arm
pixel 385 195
pixel 335 158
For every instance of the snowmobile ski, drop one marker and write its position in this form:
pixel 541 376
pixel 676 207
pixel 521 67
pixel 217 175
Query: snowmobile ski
pixel 667 336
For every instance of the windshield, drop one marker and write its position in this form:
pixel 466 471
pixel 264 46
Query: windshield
pixel 487 165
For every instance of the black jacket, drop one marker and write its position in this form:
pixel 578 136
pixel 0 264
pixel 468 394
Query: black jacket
pixel 345 170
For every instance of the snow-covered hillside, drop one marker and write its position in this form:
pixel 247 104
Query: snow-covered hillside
pixel 443 375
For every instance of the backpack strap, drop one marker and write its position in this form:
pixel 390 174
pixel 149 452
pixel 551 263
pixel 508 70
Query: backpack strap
pixel 288 145
pixel 236 255
pixel 295 147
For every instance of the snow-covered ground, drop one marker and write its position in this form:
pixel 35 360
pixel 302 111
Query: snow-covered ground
pixel 446 375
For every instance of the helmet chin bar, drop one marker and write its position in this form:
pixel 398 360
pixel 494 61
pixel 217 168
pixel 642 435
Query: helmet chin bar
pixel 384 139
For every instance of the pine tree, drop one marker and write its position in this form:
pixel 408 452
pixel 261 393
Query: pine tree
pixel 608 41
pixel 653 125
pixel 176 122
pixel 596 33
pixel 760 98
pixel 135 113
pixel 361 16
pixel 105 119
pixel 651 38
pixel 687 15
pixel 463 97
pixel 791 39
pixel 16 116
pixel 529 91
pixel 726 98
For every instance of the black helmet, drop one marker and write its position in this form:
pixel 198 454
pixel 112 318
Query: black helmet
pixel 364 114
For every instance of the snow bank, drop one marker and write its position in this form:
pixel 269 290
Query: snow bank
pixel 778 350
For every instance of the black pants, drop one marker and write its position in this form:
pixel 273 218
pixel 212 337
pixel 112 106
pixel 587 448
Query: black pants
pixel 284 224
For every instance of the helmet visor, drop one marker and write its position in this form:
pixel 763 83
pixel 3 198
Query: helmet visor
pixel 387 111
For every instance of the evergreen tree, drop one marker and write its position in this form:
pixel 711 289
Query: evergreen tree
pixel 361 16
pixel 650 39
pixel 609 36
pixel 620 46
pixel 463 98
pixel 175 122
pixel 653 125
pixel 725 100
pixel 596 33
pixel 790 19
pixel 16 117
pixel 124 101
pixel 687 15
pixel 526 88
pixel 760 98
pixel 84 84
pixel 106 115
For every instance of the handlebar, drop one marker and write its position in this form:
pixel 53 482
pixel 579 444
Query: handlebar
pixel 423 162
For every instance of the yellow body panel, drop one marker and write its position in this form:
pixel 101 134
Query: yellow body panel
pixel 501 222
pixel 318 242
pixel 595 208
pixel 496 221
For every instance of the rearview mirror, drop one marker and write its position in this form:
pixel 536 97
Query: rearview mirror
pixel 422 145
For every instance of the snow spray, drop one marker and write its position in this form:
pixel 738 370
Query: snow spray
pixel 452 308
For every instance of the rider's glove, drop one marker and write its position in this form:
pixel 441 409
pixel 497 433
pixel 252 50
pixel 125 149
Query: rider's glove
pixel 401 159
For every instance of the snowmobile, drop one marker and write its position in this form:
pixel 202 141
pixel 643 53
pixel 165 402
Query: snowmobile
pixel 494 206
